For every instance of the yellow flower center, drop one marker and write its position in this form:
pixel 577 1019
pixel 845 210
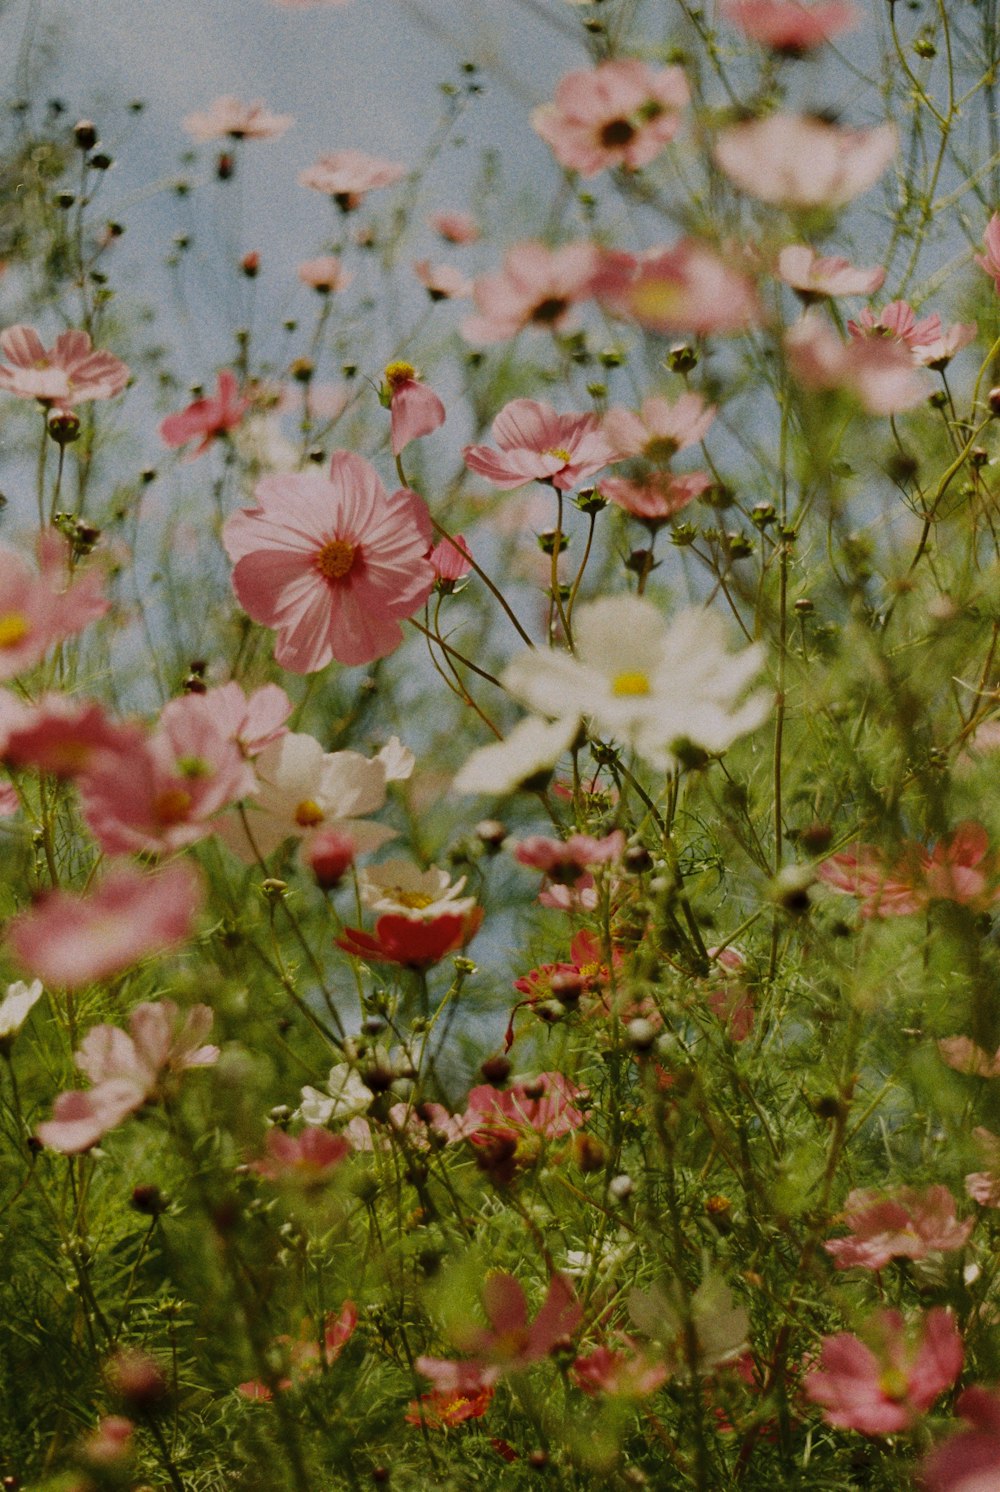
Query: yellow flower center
pixel 308 814
pixel 894 1384
pixel 633 682
pixel 172 806
pixel 660 448
pixel 397 373
pixel 558 451
pixel 14 628
pixel 415 899
pixel 335 559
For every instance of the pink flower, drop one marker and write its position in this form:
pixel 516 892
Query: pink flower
pixel 250 721
pixel 619 1374
pixel 537 286
pixel 566 860
pixel 970 1460
pixel 331 564
pixel 440 1411
pixel 961 1053
pixel 71 372
pixel 684 288
pixel 545 1106
pixel 509 1343
pixel 65 736
pixel 349 175
pixel 878 373
pixel 451 559
pixel 325 274
pixel 307 1159
pixel 206 418
pixel 303 1355
pixel 69 941
pixel 661 428
pixel 958 869
pixel 162 793
pixel 990 261
pixel 127 1071
pixel 907 1224
pixel 929 345
pixel 984 1186
pixel 228 119
pixel 330 854
pixel 455 227
pixel 657 498
pixel 538 445
pixel 37 610
pixel 790 26
pixel 794 160
pixel 882 1389
pixel 414 408
pixel 614 114
pixel 442 281
pixel 813 276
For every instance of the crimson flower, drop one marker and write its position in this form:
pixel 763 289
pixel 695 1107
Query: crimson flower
pixel 413 943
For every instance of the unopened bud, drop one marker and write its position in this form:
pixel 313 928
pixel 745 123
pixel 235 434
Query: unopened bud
pixel 85 134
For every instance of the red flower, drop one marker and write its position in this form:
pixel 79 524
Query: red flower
pixel 206 418
pixel 414 944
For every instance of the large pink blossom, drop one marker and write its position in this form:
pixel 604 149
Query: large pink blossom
pixel 41 608
pixel 331 564
pixel 206 418
pixel 538 445
pixel 789 25
pixel 349 175
pixel 970 1460
pixel 959 868
pixel 883 1388
pixel 227 118
pixel 510 1341
pixel 794 160
pixel 878 372
pixel 70 940
pixel 906 1224
pixel 686 287
pixel 65 736
pixel 537 286
pixel 71 372
pixel 814 275
pixel 615 114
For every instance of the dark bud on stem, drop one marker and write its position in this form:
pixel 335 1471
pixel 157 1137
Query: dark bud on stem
pixel 85 134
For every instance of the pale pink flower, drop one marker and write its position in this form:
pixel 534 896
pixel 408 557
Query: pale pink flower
pixel 64 736
pixel 881 1389
pixel 442 281
pixel 415 410
pixel 794 160
pixel 538 445
pixel 789 25
pixel 349 175
pixel 687 287
pixel 227 118
pixel 990 261
pixel 959 868
pixel 71 372
pixel 40 609
pixel 302 1354
pixel 984 1186
pixel 306 1159
pixel 332 564
pixel 619 1374
pixel 164 792
pixel 614 114
pixel 325 274
pixel 814 275
pixel 455 227
pixel 661 427
pixel 906 1224
pixel 930 345
pixel 509 1343
pixel 69 941
pixel 206 418
pixel 451 559
pixel 655 499
pixel 578 899
pixel 970 1460
pixel 252 721
pixel 565 860
pixel 537 286
pixel 962 1054
pixel 878 372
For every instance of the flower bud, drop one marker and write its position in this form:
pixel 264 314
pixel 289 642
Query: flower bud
pixel 85 134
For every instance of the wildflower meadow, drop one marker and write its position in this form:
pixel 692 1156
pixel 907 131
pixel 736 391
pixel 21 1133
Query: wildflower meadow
pixel 500 752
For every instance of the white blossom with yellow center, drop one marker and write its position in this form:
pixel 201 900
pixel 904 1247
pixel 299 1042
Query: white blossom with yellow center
pixel 401 887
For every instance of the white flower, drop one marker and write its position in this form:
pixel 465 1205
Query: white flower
pixel 302 788
pixel 401 887
pixel 533 746
pixel 345 1096
pixel 15 1007
pixel 397 760
pixel 650 684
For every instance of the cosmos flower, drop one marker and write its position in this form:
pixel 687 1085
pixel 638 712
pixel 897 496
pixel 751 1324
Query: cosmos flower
pixel 71 372
pixel 227 118
pixel 538 445
pixel 882 1388
pixel 796 161
pixel 206 418
pixel 615 114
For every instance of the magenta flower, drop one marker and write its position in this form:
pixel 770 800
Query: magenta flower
pixel 907 1224
pixel 227 118
pixel 331 564
pixel 789 25
pixel 39 609
pixel 794 160
pixel 206 419
pixel 566 860
pixel 415 410
pixel 614 114
pixel 990 261
pixel 325 274
pixel 537 286
pixel 619 1374
pixel 684 288
pixel 538 445
pixel 883 1388
pixel 349 175
pixel 69 941
pixel 813 275
pixel 70 372
pixel 509 1343
pixel 970 1460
